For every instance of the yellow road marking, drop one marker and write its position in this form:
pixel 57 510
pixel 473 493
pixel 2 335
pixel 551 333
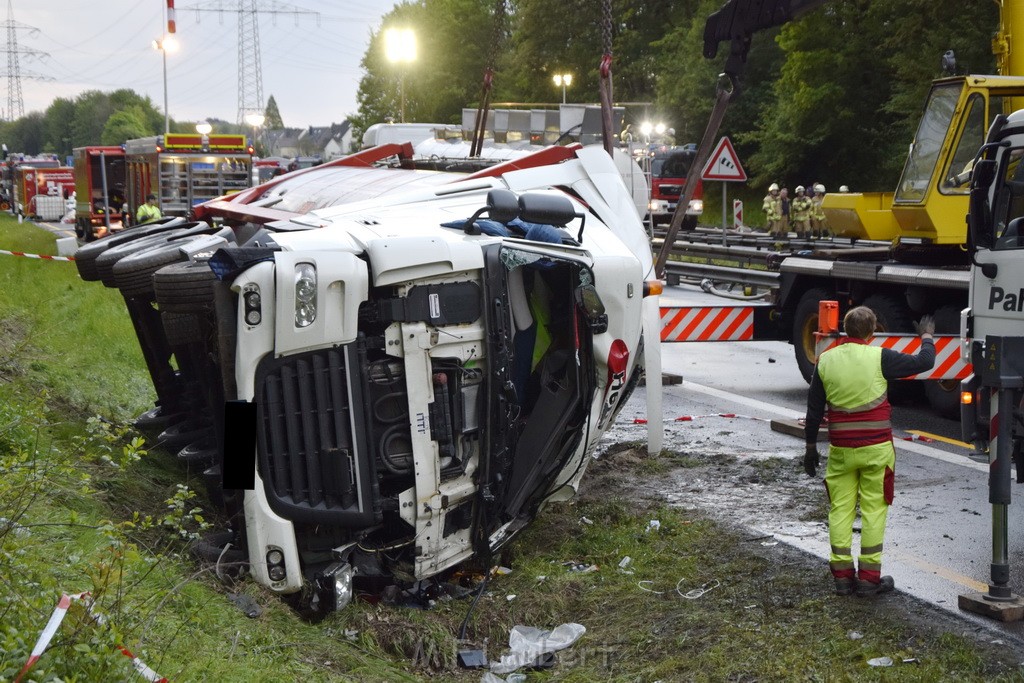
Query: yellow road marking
pixel 943 439
pixel 944 572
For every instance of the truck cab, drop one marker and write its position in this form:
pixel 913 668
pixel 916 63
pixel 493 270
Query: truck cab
pixel 930 200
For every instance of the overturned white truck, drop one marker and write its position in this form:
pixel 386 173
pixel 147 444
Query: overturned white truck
pixel 384 370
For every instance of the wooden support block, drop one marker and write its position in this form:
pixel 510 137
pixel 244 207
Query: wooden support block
pixel 1011 610
pixel 667 379
pixel 794 428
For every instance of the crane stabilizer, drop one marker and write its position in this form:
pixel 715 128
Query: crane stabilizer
pixel 736 21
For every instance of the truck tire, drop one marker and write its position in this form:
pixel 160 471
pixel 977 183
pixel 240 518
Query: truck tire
pixel 944 394
pixel 105 262
pixel 85 257
pixel 185 287
pixel 133 274
pixel 805 324
pixel 182 329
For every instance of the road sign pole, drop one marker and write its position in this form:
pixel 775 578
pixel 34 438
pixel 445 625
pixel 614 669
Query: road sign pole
pixel 724 225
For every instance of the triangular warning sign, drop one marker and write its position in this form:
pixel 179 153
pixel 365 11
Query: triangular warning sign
pixel 724 164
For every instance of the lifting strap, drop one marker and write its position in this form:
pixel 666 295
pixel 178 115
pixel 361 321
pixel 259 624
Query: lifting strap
pixel 485 96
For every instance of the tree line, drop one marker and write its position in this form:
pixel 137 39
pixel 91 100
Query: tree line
pixel 833 97
pixel 97 118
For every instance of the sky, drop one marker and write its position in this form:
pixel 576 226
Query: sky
pixel 311 67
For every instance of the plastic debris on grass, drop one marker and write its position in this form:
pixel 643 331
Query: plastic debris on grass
pixel 527 643
pixel 880 661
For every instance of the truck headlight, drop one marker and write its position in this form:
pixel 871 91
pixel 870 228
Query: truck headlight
pixel 696 206
pixel 305 294
pixel 253 304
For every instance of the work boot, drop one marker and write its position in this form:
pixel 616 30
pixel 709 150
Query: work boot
pixel 869 589
pixel 845 586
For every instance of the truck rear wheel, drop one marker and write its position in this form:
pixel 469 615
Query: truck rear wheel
pixel 805 324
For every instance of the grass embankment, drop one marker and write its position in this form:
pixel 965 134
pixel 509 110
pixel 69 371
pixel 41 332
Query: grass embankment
pixel 85 508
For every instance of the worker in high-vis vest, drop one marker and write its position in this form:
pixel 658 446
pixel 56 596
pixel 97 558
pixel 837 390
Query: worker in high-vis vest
pixel 850 381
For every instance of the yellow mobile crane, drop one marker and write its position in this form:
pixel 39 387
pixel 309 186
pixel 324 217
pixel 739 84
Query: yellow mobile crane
pixel 903 252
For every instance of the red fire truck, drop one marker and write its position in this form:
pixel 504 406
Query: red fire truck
pixel 186 169
pixel 40 188
pixel 669 166
pixel 99 190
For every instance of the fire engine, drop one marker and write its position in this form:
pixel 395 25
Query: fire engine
pixel 99 190
pixel 186 169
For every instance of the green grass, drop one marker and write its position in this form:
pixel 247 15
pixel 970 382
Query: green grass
pixel 81 505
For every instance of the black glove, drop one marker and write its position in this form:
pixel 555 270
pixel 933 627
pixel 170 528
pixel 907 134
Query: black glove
pixel 811 460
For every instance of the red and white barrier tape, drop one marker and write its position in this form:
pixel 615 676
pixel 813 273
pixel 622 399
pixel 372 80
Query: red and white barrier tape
pixel 690 418
pixel 45 257
pixel 51 630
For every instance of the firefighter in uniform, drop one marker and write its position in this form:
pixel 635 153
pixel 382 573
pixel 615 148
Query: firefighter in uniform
pixel 818 227
pixel 850 380
pixel 801 211
pixel 772 208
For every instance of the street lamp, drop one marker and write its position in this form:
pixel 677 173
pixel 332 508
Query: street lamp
pixel 255 120
pixel 165 45
pixel 400 48
pixel 204 130
pixel 563 80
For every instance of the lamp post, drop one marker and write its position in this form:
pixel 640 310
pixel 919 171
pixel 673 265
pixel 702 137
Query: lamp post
pixel 564 81
pixel 255 120
pixel 204 129
pixel 400 48
pixel 165 45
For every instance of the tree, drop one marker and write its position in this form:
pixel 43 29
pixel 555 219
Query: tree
pixel 126 124
pixel 273 115
pixel 57 123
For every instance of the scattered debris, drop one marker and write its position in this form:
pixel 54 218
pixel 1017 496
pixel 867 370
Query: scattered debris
pixel 501 571
pixel 698 592
pixel 580 567
pixel 528 644
pixel 911 660
pixel 510 597
pixel 586 520
pixel 769 544
pixel 246 604
pixel 623 563
pixel 653 525
pixel 771 360
pixel 854 635
pixel 880 661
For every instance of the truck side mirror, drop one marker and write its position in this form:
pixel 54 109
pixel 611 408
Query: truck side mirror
pixel 979 220
pixel 546 208
pixel 502 205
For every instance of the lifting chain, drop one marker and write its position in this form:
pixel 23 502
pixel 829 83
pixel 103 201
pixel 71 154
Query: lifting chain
pixel 606 77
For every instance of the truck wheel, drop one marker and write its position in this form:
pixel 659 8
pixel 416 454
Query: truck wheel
pixel 805 324
pixel 944 394
pixel 185 287
pixel 894 316
pixel 85 257
pixel 133 274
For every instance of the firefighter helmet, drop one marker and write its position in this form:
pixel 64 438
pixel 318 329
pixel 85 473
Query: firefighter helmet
pixel 819 188
pixel 774 187
pixel 799 189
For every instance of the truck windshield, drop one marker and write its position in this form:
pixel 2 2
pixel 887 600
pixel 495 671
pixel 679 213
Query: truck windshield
pixel 924 152
pixel 1008 212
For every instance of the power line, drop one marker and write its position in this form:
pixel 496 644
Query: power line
pixel 15 98
pixel 250 68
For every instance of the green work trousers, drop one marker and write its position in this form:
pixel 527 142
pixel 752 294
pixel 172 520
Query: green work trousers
pixel 867 474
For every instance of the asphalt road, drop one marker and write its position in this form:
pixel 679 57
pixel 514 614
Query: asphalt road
pixel 939 539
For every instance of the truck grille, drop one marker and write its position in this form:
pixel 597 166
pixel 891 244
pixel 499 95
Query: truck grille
pixel 308 459
pixel 671 190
